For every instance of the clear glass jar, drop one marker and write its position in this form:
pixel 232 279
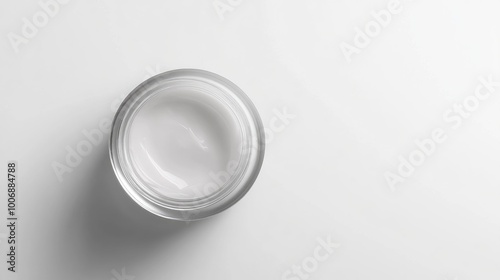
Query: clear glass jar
pixel 187 144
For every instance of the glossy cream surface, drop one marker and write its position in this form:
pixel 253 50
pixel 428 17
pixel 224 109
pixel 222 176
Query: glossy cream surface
pixel 184 143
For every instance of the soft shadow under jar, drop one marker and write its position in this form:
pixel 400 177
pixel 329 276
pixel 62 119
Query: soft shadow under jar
pixel 187 144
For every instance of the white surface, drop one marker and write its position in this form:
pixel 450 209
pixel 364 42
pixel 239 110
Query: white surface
pixel 323 174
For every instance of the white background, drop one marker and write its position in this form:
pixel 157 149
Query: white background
pixel 323 173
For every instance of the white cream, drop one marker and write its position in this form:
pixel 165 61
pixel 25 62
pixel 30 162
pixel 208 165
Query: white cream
pixel 184 143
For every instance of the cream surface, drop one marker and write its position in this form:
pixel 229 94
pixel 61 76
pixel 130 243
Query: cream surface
pixel 184 143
